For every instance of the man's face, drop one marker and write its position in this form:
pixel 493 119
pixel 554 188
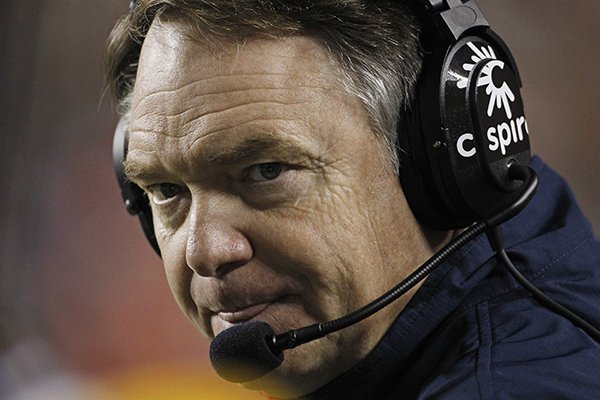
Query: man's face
pixel 272 198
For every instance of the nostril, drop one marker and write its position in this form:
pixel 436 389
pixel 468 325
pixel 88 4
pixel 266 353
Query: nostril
pixel 225 269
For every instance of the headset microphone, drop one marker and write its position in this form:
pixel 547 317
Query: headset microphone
pixel 245 352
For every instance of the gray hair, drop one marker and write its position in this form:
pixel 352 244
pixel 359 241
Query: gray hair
pixel 375 43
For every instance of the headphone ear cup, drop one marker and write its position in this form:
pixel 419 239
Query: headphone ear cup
pixel 422 185
pixel 454 160
pixel 136 201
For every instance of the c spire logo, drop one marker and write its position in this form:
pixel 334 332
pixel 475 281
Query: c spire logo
pixel 491 83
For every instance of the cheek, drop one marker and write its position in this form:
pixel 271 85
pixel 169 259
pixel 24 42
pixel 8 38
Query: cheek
pixel 323 247
pixel 178 275
pixel 179 282
pixel 358 232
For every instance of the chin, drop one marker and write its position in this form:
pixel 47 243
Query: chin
pixel 304 370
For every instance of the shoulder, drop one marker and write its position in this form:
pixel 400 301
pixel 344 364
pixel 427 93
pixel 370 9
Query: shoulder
pixel 500 343
pixel 516 349
pixel 531 352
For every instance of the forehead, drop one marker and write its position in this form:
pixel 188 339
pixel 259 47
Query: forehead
pixel 172 58
pixel 187 83
pixel 192 99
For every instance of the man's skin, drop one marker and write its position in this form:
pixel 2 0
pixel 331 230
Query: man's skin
pixel 273 198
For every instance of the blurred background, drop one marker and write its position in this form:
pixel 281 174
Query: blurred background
pixel 85 312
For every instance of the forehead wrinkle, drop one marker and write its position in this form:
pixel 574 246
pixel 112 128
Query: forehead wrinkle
pixel 154 114
pixel 219 90
pixel 260 144
pixel 238 81
pixel 196 121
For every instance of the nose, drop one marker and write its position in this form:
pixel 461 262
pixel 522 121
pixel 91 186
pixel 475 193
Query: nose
pixel 214 245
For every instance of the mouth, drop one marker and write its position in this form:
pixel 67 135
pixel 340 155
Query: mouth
pixel 244 314
pixel 282 313
pixel 222 320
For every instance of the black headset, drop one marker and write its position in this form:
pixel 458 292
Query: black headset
pixel 457 142
pixel 467 124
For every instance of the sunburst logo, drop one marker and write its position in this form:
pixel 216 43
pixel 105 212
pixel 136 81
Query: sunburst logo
pixel 500 97
pixel 479 54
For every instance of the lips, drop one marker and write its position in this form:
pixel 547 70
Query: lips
pixel 242 295
pixel 222 320
pixel 243 314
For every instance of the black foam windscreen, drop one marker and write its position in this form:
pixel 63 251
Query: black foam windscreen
pixel 242 353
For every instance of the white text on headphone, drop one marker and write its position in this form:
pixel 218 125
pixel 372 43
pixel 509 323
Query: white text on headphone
pixel 499 137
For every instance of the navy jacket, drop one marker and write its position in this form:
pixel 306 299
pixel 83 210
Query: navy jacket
pixel 472 332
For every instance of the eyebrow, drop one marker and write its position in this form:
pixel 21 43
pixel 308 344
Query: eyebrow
pixel 136 171
pixel 254 147
pixel 247 149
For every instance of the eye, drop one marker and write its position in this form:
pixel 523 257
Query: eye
pixel 265 172
pixel 162 192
